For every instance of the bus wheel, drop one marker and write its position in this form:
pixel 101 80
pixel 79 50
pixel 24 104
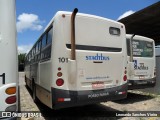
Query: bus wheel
pixel 35 99
pixel 25 79
pixel 19 102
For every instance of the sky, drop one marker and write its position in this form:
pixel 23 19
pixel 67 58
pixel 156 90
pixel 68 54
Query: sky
pixel 34 15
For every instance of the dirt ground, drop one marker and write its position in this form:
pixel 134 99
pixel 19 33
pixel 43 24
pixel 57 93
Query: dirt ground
pixel 136 101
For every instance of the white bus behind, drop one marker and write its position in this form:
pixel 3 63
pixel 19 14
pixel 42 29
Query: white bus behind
pixel 157 51
pixel 8 59
pixel 143 72
pixel 78 63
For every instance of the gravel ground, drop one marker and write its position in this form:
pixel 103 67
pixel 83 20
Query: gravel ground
pixel 136 101
pixel 26 101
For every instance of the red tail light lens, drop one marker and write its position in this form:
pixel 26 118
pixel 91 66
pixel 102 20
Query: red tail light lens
pixel 11 100
pixel 124 92
pixel 60 82
pixel 125 77
pixel 60 100
pixel 59 69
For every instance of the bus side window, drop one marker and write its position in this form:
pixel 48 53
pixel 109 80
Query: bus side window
pixel 34 52
pixel 40 44
pixel 44 41
pixel 49 36
pixel 37 45
pixel 46 44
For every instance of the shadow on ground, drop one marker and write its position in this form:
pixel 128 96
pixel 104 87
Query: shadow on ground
pixel 89 112
pixel 92 112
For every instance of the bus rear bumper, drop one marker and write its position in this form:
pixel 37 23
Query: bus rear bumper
pixel 66 98
pixel 140 84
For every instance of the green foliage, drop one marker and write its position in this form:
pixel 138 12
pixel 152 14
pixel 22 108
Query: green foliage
pixel 21 58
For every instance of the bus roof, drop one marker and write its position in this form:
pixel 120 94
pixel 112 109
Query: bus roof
pixel 139 37
pixel 59 13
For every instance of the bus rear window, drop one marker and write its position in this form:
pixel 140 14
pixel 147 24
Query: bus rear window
pixel 140 48
pixel 114 31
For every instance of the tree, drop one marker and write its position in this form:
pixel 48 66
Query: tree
pixel 21 61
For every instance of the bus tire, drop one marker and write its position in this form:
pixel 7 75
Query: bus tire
pixel 35 99
pixel 25 79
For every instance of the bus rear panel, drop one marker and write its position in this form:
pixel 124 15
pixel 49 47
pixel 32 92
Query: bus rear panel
pixel 98 73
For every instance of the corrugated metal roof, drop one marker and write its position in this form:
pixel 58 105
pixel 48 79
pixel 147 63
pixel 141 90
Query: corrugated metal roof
pixel 145 22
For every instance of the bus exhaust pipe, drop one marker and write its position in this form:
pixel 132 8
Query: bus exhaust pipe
pixel 73 46
pixel 131 48
pixel 131 64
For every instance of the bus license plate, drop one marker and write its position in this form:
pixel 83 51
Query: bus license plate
pixel 141 77
pixel 98 85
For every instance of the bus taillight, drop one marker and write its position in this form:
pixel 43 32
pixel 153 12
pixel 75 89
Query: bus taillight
pixel 60 100
pixel 11 90
pixel 125 77
pixel 11 100
pixel 63 99
pixel 59 74
pixel 59 69
pixel 60 82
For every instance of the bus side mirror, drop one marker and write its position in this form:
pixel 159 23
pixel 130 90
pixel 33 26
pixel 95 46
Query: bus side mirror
pixel 130 68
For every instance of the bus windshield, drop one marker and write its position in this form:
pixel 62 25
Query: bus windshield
pixel 140 48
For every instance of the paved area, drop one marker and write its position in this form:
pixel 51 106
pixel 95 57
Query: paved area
pixel 26 101
pixel 136 101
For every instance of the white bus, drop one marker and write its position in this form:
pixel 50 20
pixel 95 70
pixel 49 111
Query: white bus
pixel 157 50
pixel 8 59
pixel 142 53
pixel 78 60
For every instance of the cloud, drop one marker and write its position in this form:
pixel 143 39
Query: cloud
pixel 24 48
pixel 127 13
pixel 28 21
